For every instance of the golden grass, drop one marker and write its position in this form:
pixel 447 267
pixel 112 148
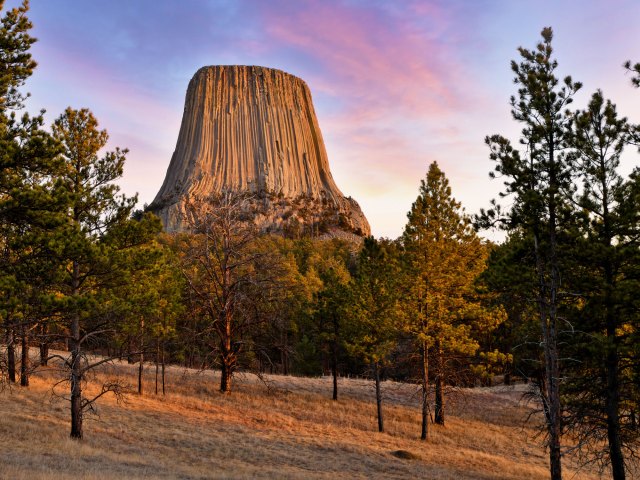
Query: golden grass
pixel 291 430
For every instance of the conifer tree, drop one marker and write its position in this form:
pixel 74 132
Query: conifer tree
pixel 331 301
pixel 538 180
pixel 29 196
pixel 606 243
pixel 443 257
pixel 374 313
pixel 96 247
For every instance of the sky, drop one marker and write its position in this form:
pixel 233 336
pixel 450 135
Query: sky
pixel 396 84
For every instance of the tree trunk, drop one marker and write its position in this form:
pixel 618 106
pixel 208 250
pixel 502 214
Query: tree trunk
pixel 227 355
pixel 76 366
pixel 44 354
pixel 612 405
pixel 439 414
pixel 141 357
pixel 162 354
pixel 24 358
pixel 226 374
pixel 334 358
pixel 76 379
pixel 228 360
pixel 425 391
pixel 547 305
pixel 553 376
pixel 334 369
pixel 44 345
pixel 378 397
pixel 157 362
pixel 11 355
pixel 284 354
pixel 612 402
pixel 613 416
pixel 163 364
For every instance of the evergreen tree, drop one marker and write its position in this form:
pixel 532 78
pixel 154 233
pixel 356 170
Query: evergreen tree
pixel 374 313
pixel 443 257
pixel 96 247
pixel 606 244
pixel 510 278
pixel 331 302
pixel 538 181
pixel 29 196
pixel 149 304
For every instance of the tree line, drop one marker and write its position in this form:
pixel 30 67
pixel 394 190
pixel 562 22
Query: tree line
pixel 88 279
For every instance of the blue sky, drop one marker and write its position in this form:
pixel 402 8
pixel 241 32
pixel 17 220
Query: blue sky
pixel 396 84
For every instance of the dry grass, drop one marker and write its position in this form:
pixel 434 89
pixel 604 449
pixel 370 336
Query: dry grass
pixel 290 430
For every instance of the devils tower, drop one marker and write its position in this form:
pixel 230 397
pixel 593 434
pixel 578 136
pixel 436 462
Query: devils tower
pixel 254 129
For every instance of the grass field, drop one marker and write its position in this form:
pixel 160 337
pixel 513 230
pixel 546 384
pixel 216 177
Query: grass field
pixel 286 427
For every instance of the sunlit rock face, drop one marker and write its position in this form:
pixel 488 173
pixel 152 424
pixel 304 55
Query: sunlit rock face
pixel 254 129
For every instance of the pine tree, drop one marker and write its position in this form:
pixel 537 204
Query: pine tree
pixel 96 246
pixel 510 278
pixel 443 257
pixel 330 304
pixel 29 195
pixel 606 242
pixel 538 181
pixel 373 312
pixel 148 303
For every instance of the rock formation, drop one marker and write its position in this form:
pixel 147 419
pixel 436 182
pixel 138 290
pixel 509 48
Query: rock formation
pixel 254 129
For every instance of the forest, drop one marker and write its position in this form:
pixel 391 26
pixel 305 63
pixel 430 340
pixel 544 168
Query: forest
pixel 87 279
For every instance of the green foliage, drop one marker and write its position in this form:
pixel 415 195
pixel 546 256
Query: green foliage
pixel 16 64
pixel 634 69
pixel 30 197
pixel 374 315
pixel 569 259
pixel 443 257
pixel 600 390
pixel 509 279
pixel 96 241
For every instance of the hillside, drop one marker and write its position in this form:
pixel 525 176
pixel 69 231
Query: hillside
pixel 277 427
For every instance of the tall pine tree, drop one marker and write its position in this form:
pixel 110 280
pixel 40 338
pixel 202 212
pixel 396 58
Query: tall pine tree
pixel 29 195
pixel 443 257
pixel 537 181
pixel 96 246
pixel 606 244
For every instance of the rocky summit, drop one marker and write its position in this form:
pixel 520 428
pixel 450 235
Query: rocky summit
pixel 254 129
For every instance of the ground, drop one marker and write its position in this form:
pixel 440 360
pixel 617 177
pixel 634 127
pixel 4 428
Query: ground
pixel 274 427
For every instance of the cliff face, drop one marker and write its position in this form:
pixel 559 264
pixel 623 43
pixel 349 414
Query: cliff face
pixel 254 129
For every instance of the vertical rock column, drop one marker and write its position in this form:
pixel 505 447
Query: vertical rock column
pixel 249 128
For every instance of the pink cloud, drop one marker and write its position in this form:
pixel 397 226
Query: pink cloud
pixel 379 60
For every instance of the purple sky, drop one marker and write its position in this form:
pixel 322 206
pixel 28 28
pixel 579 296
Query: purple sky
pixel 396 84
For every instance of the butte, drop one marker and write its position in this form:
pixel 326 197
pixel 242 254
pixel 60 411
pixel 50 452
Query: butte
pixel 254 129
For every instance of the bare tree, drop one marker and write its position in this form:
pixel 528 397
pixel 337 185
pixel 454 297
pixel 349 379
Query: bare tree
pixel 230 276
